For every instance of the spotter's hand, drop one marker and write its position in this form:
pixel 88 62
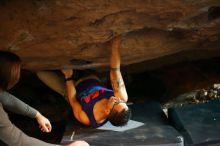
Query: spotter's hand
pixel 44 123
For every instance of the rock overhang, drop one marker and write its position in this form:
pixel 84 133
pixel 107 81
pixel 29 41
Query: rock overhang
pixel 58 34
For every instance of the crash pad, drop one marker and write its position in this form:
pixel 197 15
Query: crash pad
pixel 198 123
pixel 155 131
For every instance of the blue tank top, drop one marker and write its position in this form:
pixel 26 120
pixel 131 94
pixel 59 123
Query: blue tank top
pixel 89 92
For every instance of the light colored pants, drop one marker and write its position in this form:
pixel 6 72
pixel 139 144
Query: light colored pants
pixel 53 80
pixel 56 81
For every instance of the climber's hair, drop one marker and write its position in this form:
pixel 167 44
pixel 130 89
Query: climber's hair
pixel 9 70
pixel 119 118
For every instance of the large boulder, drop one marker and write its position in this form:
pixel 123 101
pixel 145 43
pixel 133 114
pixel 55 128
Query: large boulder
pixel 55 34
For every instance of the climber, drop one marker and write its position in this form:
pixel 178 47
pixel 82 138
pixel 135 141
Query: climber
pixel 93 104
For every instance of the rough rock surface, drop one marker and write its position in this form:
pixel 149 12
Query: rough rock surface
pixel 54 34
pixel 194 97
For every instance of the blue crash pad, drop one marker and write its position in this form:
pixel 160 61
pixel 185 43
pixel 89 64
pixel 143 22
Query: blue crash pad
pixel 198 123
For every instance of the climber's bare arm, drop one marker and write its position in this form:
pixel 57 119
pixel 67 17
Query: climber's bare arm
pixel 79 114
pixel 115 73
